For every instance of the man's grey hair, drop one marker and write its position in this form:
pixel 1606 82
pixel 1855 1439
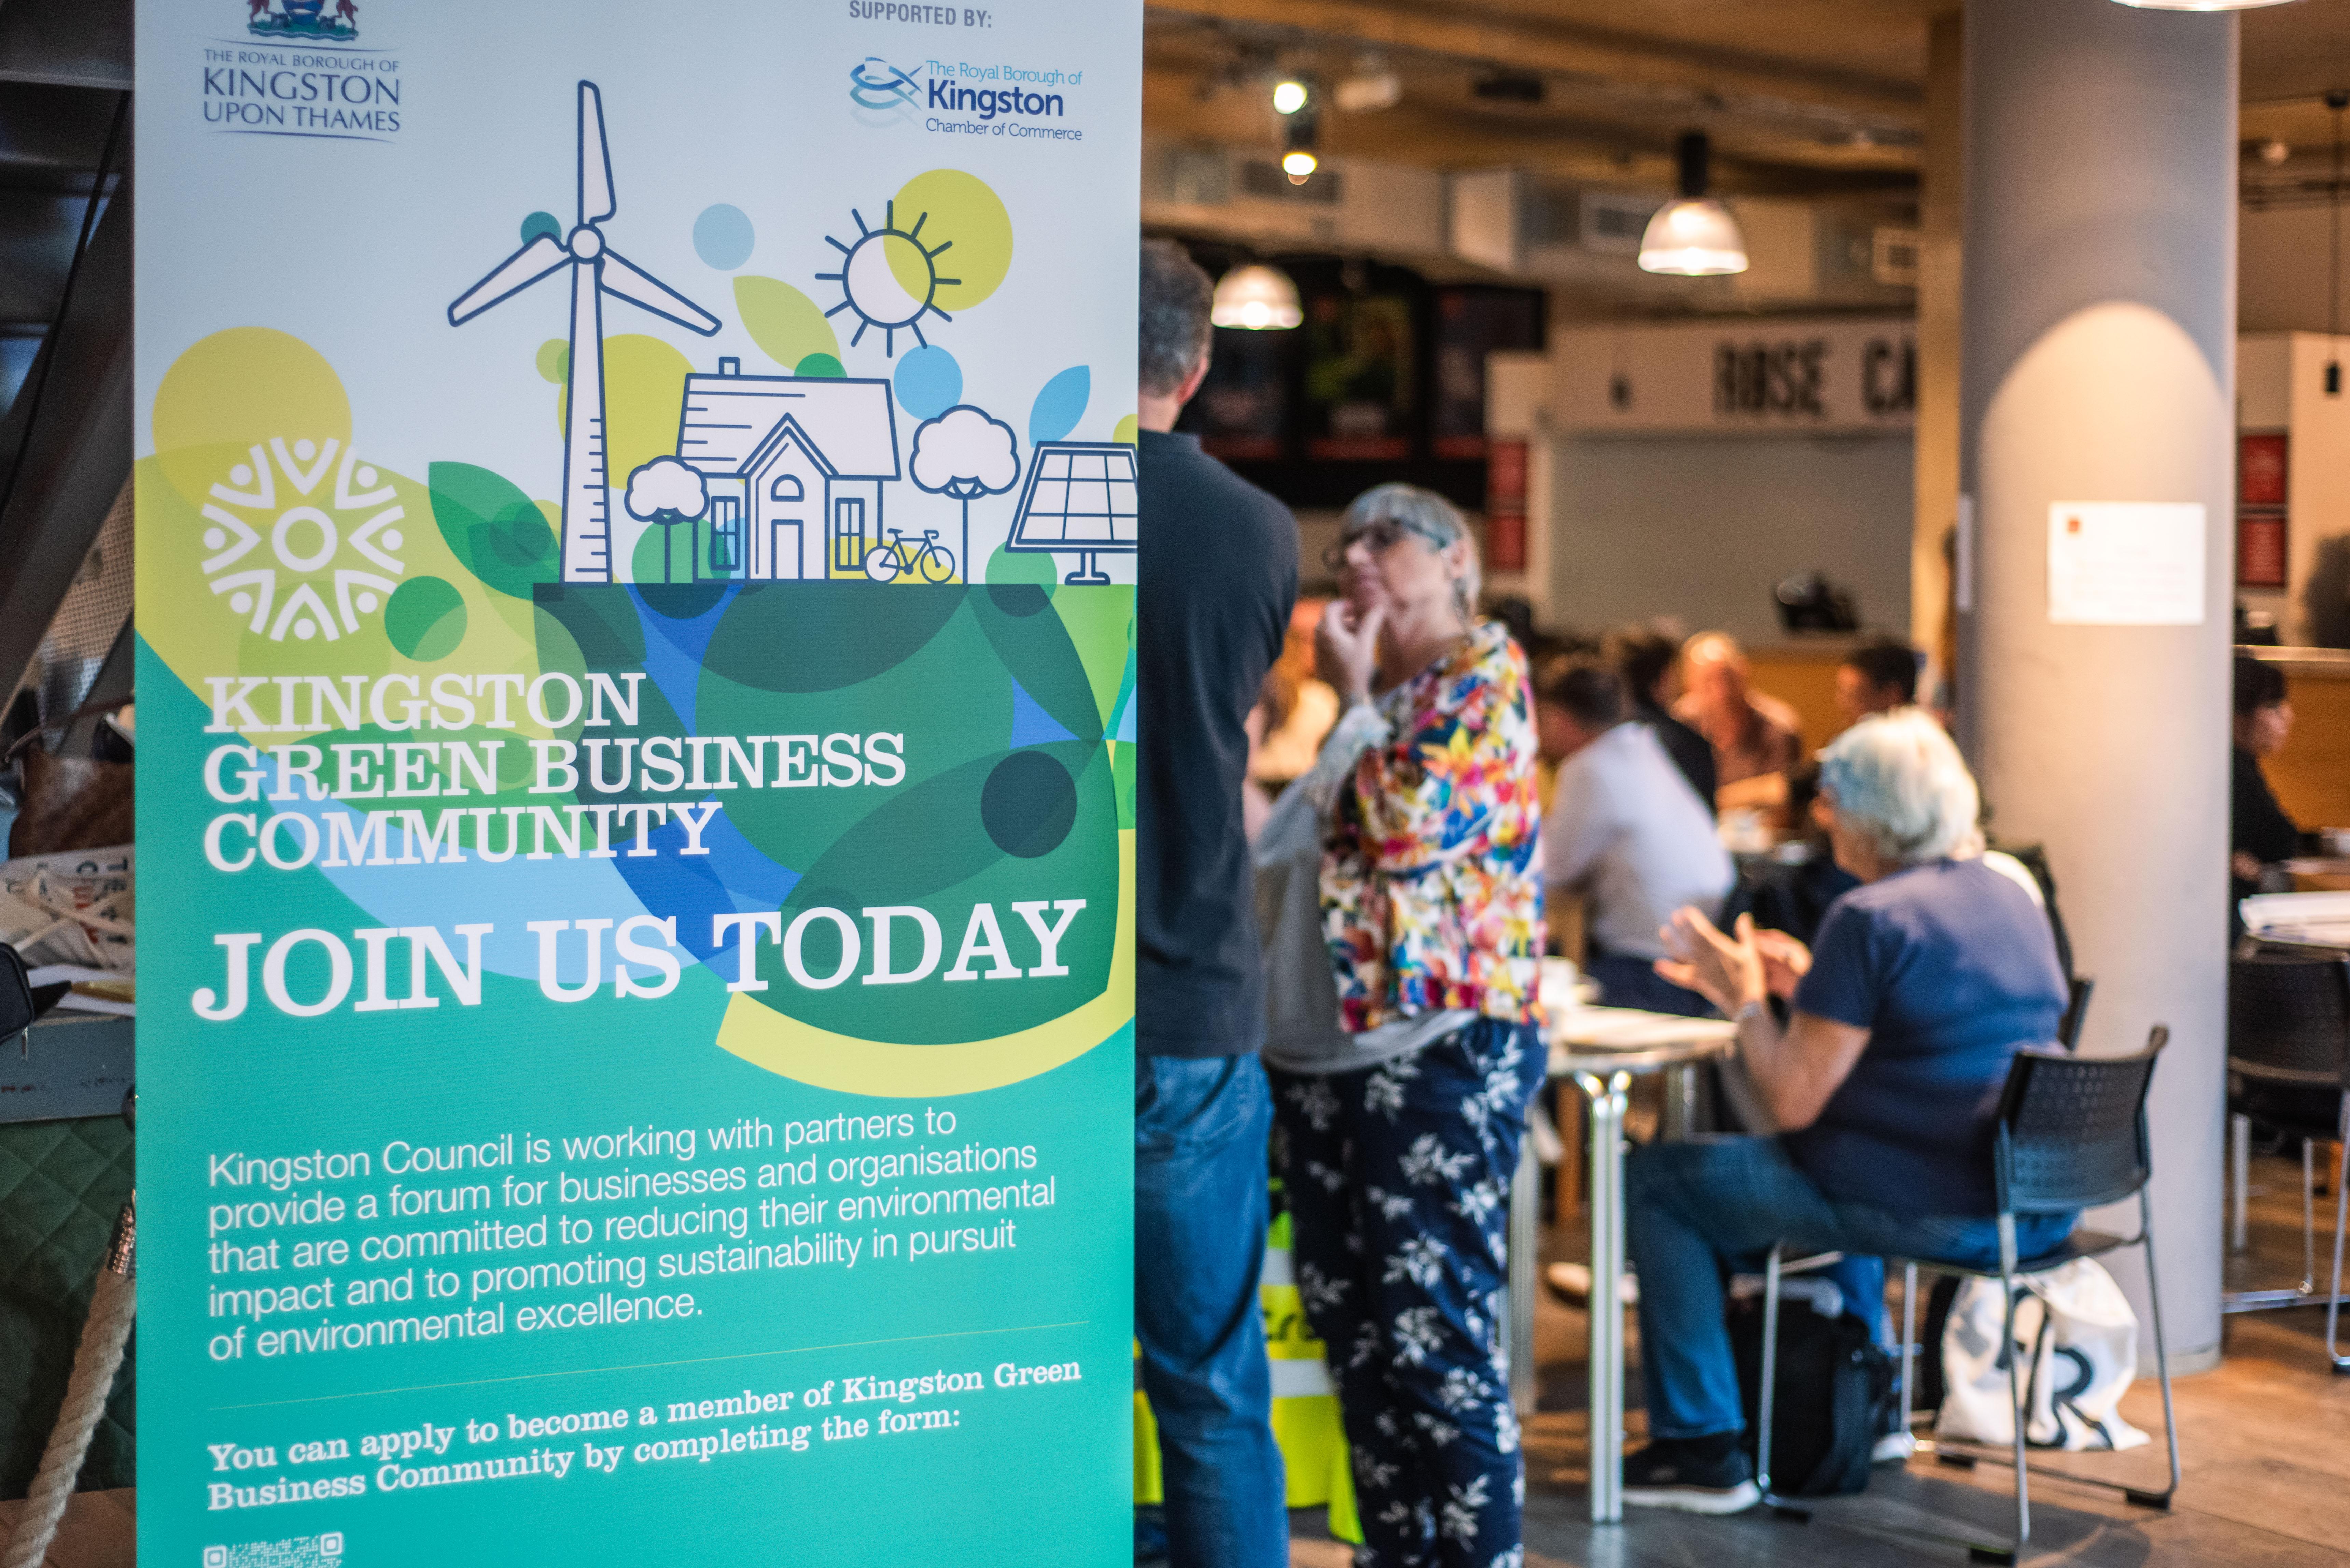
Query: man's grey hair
pixel 1435 520
pixel 1176 299
pixel 1897 779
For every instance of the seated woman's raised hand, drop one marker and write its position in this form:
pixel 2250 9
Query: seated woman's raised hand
pixel 1727 971
pixel 1785 961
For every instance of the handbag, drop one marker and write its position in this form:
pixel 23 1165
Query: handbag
pixel 1301 997
pixel 2078 1341
pixel 1832 1392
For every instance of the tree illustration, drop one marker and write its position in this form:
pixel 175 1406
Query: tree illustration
pixel 965 453
pixel 667 492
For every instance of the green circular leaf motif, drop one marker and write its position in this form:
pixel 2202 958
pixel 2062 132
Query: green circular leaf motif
pixel 1028 804
pixel 426 619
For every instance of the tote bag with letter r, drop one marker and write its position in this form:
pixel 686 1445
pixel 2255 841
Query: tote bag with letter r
pixel 2076 1339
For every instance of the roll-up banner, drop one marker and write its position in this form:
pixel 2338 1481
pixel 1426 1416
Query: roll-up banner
pixel 636 528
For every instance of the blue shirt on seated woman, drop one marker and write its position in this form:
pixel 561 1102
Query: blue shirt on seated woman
pixel 1885 1082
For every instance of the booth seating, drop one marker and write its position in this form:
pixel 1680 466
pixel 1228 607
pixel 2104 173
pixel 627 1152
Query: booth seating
pixel 61 1185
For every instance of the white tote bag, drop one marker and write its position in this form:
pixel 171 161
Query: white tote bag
pixel 2077 1340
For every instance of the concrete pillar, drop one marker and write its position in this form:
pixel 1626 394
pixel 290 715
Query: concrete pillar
pixel 1935 471
pixel 2099 326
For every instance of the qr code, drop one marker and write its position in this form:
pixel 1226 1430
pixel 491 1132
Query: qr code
pixel 292 1551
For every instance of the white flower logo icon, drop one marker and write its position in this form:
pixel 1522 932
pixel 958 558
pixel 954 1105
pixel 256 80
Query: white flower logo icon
pixel 269 502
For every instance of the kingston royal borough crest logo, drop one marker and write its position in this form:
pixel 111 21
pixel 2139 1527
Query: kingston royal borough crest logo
pixel 307 21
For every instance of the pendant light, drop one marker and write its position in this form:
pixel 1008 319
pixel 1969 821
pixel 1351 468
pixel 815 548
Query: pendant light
pixel 1256 298
pixel 2200 4
pixel 2337 99
pixel 1693 235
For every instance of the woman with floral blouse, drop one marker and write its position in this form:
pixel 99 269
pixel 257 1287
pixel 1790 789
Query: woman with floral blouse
pixel 1400 1141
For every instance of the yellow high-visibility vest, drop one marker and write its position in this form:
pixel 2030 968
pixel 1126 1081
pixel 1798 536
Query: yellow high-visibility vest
pixel 1305 1403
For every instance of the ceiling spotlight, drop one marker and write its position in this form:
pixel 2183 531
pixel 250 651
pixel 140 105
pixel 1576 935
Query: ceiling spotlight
pixel 1256 298
pixel 1693 235
pixel 1301 133
pixel 1289 96
pixel 2275 151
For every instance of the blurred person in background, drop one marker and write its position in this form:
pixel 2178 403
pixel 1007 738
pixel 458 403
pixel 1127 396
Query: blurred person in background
pixel 1400 1135
pixel 1625 831
pixel 1649 661
pixel 1790 889
pixel 1876 678
pixel 2259 832
pixel 1754 735
pixel 1215 580
pixel 1290 743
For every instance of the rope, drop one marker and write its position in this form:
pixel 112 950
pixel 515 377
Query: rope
pixel 113 1305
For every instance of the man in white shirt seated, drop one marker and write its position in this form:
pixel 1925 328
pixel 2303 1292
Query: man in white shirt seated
pixel 1625 831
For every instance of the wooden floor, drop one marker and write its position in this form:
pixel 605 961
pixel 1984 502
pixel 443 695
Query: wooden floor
pixel 2265 1441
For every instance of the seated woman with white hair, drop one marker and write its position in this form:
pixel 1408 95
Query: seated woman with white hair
pixel 1923 983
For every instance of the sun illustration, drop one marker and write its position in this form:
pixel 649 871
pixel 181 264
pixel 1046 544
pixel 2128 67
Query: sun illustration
pixel 890 278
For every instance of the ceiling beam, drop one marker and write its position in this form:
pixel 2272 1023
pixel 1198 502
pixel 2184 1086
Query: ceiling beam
pixel 67 43
pixel 1427 135
pixel 1657 68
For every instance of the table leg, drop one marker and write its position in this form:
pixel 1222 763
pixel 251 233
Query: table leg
pixel 2240 1173
pixel 1678 1114
pixel 1607 1305
pixel 1568 1180
pixel 1525 1268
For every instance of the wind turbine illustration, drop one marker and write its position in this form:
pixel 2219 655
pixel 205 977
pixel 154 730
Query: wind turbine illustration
pixel 597 270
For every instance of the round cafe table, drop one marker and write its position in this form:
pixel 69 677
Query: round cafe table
pixel 1601 1049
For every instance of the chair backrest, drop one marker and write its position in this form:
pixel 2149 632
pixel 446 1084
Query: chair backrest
pixel 2289 1015
pixel 2072 1129
pixel 2076 1011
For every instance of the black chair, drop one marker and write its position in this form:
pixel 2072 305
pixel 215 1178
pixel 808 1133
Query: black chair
pixel 2070 1135
pixel 2289 1069
pixel 2076 1011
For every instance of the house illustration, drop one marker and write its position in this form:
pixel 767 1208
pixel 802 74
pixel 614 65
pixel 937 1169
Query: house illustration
pixel 795 466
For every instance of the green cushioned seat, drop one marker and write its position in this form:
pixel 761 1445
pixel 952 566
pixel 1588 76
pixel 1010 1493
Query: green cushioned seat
pixel 61 1186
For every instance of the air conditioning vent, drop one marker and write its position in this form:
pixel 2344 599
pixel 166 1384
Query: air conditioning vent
pixel 1199 176
pixel 1614 221
pixel 1893 257
pixel 1551 215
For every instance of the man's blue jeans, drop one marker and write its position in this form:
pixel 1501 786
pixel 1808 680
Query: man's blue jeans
pixel 1200 1131
pixel 1702 1209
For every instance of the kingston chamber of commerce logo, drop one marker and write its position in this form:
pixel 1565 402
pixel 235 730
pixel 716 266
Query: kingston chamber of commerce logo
pixel 874 83
pixel 303 21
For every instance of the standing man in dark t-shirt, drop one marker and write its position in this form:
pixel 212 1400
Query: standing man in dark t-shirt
pixel 1218 573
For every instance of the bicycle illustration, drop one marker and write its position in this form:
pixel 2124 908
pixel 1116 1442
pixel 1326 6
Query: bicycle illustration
pixel 933 560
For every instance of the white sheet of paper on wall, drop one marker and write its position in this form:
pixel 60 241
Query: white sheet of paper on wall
pixel 2126 563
